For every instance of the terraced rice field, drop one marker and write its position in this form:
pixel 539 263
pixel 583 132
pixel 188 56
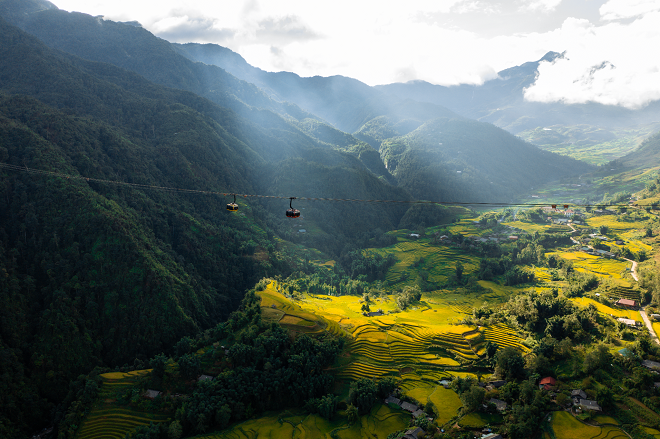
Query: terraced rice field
pixel 566 426
pixel 420 346
pixel 607 310
pixel 652 431
pixel 503 336
pixel 614 226
pixel 613 269
pixel 378 424
pixel 108 420
pixel 530 228
pixel 446 401
pixel 439 261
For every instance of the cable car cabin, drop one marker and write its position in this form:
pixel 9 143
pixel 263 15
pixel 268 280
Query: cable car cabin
pixel 232 207
pixel 292 213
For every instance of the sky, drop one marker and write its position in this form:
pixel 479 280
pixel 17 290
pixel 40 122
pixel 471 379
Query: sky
pixel 610 47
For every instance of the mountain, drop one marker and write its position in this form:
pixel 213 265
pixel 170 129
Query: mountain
pixel 501 102
pixel 320 107
pixel 344 102
pixel 96 274
pixel 385 122
pixel 646 156
pixel 464 160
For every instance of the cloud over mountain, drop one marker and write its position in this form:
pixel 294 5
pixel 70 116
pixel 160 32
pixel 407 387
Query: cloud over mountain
pixel 613 64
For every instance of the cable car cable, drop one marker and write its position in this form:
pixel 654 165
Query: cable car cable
pixel 208 192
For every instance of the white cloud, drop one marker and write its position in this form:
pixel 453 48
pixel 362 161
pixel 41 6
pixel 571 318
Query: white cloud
pixel 614 64
pixel 620 9
pixel 470 6
pixel 541 5
pixel 380 43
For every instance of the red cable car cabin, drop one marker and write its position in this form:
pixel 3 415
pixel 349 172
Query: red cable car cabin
pixel 292 213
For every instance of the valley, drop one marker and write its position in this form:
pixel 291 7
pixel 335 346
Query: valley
pixel 466 262
pixel 442 337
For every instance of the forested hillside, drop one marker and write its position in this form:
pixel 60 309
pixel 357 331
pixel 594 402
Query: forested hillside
pixel 464 160
pixel 97 274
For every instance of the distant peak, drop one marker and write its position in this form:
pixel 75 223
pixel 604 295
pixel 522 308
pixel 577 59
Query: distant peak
pixel 26 6
pixel 551 56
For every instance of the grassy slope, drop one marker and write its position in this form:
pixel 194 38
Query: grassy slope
pixel 592 145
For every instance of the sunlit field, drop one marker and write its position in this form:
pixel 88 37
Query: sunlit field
pixel 614 312
pixel 566 426
pixel 378 424
pixel 420 346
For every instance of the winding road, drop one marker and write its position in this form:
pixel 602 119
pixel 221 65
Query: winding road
pixel 642 310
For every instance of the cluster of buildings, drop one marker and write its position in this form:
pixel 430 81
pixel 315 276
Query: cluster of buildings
pixel 580 401
pixel 412 408
pixel 578 396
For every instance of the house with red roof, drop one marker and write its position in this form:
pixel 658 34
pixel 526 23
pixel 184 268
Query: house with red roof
pixel 627 303
pixel 547 383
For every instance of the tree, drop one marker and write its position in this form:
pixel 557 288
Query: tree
pixel 596 358
pixel 189 366
pixel 362 394
pixel 491 350
pixel 459 271
pixel 175 430
pixel 473 398
pixel 352 414
pixel 158 364
pixel 223 415
pixel 509 364
pixel 386 386
pixel 327 406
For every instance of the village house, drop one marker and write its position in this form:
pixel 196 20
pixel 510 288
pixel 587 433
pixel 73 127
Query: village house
pixel 492 436
pixel 605 254
pixel 653 365
pixel 586 404
pixel 151 394
pixel 392 400
pixel 409 407
pixel 629 322
pixel 501 405
pixel 414 433
pixel 205 378
pixel 627 303
pixel 547 383
pixel 578 395
pixel 580 400
pixel 419 413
